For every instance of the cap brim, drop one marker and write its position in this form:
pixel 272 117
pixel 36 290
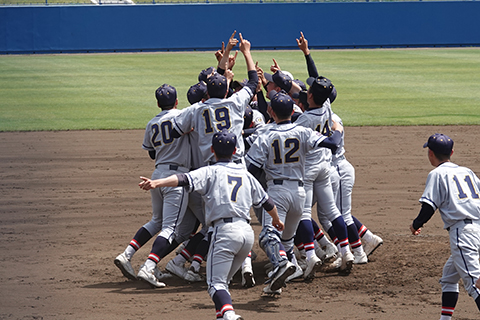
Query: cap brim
pixel 310 81
pixel 425 144
pixel 268 76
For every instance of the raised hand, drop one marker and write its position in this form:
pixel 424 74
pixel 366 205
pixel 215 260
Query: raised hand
pixel 303 44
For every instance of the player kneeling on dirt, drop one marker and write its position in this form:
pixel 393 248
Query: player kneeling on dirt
pixel 229 191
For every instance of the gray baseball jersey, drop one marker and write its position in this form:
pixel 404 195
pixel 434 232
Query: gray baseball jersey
pixel 228 190
pixel 167 149
pixel 280 150
pixel 454 191
pixel 341 148
pixel 320 120
pixel 213 115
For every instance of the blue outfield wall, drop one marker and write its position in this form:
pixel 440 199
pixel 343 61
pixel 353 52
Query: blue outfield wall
pixel 161 27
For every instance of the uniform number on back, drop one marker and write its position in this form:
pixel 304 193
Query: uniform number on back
pixel 162 133
pixel 237 182
pixel 291 146
pixel 222 119
pixel 325 129
pixel 461 193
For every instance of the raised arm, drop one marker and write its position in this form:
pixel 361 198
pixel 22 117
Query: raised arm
pixel 224 61
pixel 303 45
pixel 252 71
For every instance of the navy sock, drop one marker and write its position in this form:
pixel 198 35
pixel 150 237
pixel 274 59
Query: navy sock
pixel 449 301
pixel 305 232
pixel 340 229
pixel 141 237
pixel 352 233
pixel 358 224
pixel 160 246
pixel 222 301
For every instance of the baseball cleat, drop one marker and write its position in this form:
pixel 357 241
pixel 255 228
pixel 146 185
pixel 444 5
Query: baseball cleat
pixel 313 265
pixel 149 277
pixel 297 274
pixel 175 269
pixel 347 262
pixel 161 275
pixel 230 315
pixel 278 280
pixel 333 266
pixel 360 258
pixel 331 251
pixel 125 266
pixel 248 280
pixel 192 276
pixel 269 292
pixel 370 246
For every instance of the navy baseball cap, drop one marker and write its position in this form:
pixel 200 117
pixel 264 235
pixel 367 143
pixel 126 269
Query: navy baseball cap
pixel 439 143
pixel 282 80
pixel 205 73
pixel 247 117
pixel 166 95
pixel 197 92
pixel 268 76
pixel 301 84
pixel 217 86
pixel 282 104
pixel 321 88
pixel 224 142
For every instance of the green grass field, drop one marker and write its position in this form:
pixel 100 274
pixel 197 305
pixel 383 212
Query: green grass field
pixel 116 91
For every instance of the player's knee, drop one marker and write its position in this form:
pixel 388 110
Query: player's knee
pixel 268 235
pixel 214 287
pixel 153 227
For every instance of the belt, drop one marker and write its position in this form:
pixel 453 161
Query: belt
pixel 238 161
pixel 300 183
pixel 466 221
pixel 173 167
pixel 229 220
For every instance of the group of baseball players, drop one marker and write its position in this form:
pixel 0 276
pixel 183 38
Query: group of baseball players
pixel 270 144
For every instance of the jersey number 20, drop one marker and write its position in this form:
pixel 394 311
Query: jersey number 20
pixel 164 131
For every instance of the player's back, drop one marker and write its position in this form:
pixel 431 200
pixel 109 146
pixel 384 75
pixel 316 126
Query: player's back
pixel 455 190
pixel 167 149
pixel 228 190
pixel 213 115
pixel 281 151
pixel 320 120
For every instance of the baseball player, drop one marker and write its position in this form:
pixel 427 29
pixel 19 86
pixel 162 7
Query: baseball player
pixel 318 172
pixel 196 248
pixel 218 113
pixel 455 192
pixel 228 191
pixel 168 204
pixel 280 151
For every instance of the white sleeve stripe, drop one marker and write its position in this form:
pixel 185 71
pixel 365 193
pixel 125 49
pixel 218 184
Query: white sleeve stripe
pixel 176 127
pixel 256 163
pixel 430 202
pixel 257 205
pixel 191 187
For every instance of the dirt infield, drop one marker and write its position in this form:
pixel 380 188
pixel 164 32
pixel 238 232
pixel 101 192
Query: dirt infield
pixel 70 203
